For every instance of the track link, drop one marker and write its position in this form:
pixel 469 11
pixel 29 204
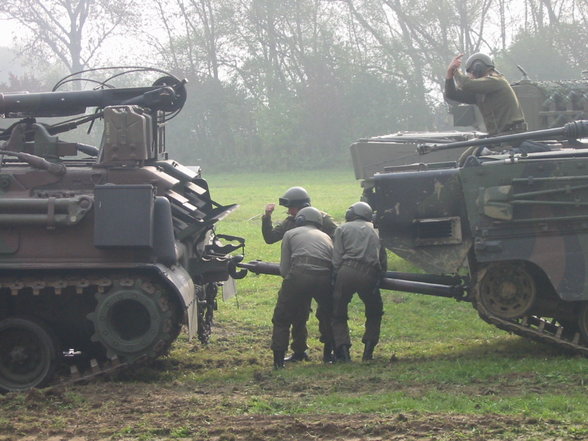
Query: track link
pixel 93 365
pixel 96 369
pixel 533 327
pixel 537 329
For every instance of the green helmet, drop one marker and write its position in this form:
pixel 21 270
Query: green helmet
pixel 359 210
pixel 296 197
pixel 309 215
pixel 478 64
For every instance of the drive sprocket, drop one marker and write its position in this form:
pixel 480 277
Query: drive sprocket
pixel 135 319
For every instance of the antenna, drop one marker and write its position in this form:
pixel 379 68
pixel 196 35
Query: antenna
pixel 525 76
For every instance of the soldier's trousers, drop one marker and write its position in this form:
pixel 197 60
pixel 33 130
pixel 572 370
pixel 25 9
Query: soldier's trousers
pixel 293 307
pixel 348 282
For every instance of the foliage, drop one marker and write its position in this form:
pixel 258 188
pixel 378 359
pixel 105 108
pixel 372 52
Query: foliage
pixel 276 85
pixel 311 77
pixel 24 82
pixel 561 57
pixel 71 32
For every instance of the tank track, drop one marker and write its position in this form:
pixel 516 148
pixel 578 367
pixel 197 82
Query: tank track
pixel 96 370
pixel 86 285
pixel 536 329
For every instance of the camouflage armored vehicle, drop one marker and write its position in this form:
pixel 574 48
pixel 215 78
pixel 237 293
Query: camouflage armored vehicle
pixel 514 225
pixel 104 251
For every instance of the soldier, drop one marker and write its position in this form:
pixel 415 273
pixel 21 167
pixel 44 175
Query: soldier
pixel 359 261
pixel 295 199
pixel 489 90
pixel 305 265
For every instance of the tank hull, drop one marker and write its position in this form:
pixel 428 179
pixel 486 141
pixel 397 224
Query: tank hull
pixel 105 252
pixel 514 225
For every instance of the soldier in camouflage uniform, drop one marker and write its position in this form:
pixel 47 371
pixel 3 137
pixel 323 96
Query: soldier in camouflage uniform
pixel 295 199
pixel 359 261
pixel 305 265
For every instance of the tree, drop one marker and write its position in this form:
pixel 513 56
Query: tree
pixel 26 82
pixel 418 38
pixel 294 82
pixel 561 57
pixel 193 36
pixel 70 31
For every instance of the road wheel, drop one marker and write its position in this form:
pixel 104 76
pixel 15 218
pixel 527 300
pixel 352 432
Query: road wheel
pixel 135 319
pixel 506 290
pixel 28 354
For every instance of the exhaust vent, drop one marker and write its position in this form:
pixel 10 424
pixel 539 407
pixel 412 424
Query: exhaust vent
pixel 439 231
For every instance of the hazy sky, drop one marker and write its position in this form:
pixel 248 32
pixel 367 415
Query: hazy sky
pixel 7 31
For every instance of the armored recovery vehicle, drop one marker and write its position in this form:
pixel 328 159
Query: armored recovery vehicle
pixel 104 251
pixel 514 225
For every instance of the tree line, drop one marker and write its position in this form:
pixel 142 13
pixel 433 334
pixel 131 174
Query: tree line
pixel 291 83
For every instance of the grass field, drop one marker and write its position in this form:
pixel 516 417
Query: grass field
pixel 439 372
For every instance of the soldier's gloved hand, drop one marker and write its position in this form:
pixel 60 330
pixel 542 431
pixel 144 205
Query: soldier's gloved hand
pixel 269 209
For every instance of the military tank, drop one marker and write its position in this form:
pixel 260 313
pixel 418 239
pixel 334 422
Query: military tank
pixel 511 221
pixel 105 252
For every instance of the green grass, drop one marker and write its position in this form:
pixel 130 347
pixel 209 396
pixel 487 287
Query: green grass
pixel 441 344
pixel 435 357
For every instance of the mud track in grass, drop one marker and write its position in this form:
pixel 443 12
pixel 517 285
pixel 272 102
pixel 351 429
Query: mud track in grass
pixel 139 411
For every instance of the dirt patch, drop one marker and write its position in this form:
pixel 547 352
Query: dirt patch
pixel 248 401
pixel 143 411
pixel 358 427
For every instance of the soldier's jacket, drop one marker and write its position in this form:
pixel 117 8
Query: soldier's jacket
pixel 358 241
pixel 494 97
pixel 306 244
pixel 272 234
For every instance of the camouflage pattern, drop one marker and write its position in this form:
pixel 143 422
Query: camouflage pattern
pixel 548 104
pixel 515 224
pixel 524 210
pixel 104 251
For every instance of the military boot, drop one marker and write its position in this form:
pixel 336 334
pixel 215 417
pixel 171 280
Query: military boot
pixel 368 350
pixel 328 356
pixel 279 359
pixel 297 356
pixel 342 354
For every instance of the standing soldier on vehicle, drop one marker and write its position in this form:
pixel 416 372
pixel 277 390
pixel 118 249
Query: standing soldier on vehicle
pixel 295 199
pixel 359 261
pixel 489 90
pixel 305 265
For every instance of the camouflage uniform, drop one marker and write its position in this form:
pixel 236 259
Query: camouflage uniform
pixel 306 267
pixel 359 260
pixel 494 97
